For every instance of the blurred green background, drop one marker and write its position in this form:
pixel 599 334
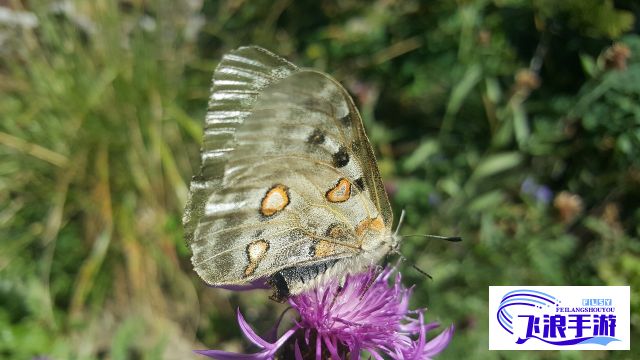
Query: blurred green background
pixel 513 123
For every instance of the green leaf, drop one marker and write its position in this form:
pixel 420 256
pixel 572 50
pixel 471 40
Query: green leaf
pixel 486 201
pixel 494 92
pixel 520 125
pixel 126 338
pixel 459 93
pixel 588 64
pixel 497 163
pixel 421 154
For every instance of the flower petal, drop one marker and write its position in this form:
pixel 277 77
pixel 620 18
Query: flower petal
pixel 272 335
pixel 330 346
pixel 283 339
pixel 297 352
pixel 437 344
pixel 375 354
pixel 266 354
pixel 224 355
pixel 422 339
pixel 256 284
pixel 318 348
pixel 250 334
pixel 355 351
pixel 366 312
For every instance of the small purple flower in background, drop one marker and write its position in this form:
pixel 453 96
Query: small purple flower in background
pixel 544 195
pixel 368 313
pixel 541 193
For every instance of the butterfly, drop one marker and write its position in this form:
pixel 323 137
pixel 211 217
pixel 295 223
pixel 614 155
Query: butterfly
pixel 288 190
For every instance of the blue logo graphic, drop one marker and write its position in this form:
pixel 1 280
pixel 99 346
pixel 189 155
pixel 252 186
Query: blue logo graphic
pixel 550 322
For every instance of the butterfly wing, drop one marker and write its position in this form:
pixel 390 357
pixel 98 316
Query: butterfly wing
pixel 288 177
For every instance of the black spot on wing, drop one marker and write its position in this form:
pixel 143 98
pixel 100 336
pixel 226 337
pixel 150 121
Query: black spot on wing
pixel 312 249
pixel 359 184
pixel 356 146
pixel 316 137
pixel 341 158
pixel 335 231
pixel 345 120
pixel 311 103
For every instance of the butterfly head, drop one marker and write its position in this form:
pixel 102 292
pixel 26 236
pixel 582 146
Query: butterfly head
pixel 377 239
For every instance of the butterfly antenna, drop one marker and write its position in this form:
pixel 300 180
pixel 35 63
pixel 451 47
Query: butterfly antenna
pixel 445 238
pixel 403 258
pixel 395 234
pixel 421 271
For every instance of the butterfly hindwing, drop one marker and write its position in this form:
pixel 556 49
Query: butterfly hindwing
pixel 288 178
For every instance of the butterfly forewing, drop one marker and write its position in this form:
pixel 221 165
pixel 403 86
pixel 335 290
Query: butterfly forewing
pixel 288 177
pixel 238 80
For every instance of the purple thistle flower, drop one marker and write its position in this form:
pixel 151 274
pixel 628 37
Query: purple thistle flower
pixel 369 313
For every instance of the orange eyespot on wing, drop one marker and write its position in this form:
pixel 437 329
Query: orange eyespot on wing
pixel 256 251
pixel 339 193
pixel 365 225
pixel 276 199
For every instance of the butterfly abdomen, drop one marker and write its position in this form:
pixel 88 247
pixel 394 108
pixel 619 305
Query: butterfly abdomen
pixel 284 281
